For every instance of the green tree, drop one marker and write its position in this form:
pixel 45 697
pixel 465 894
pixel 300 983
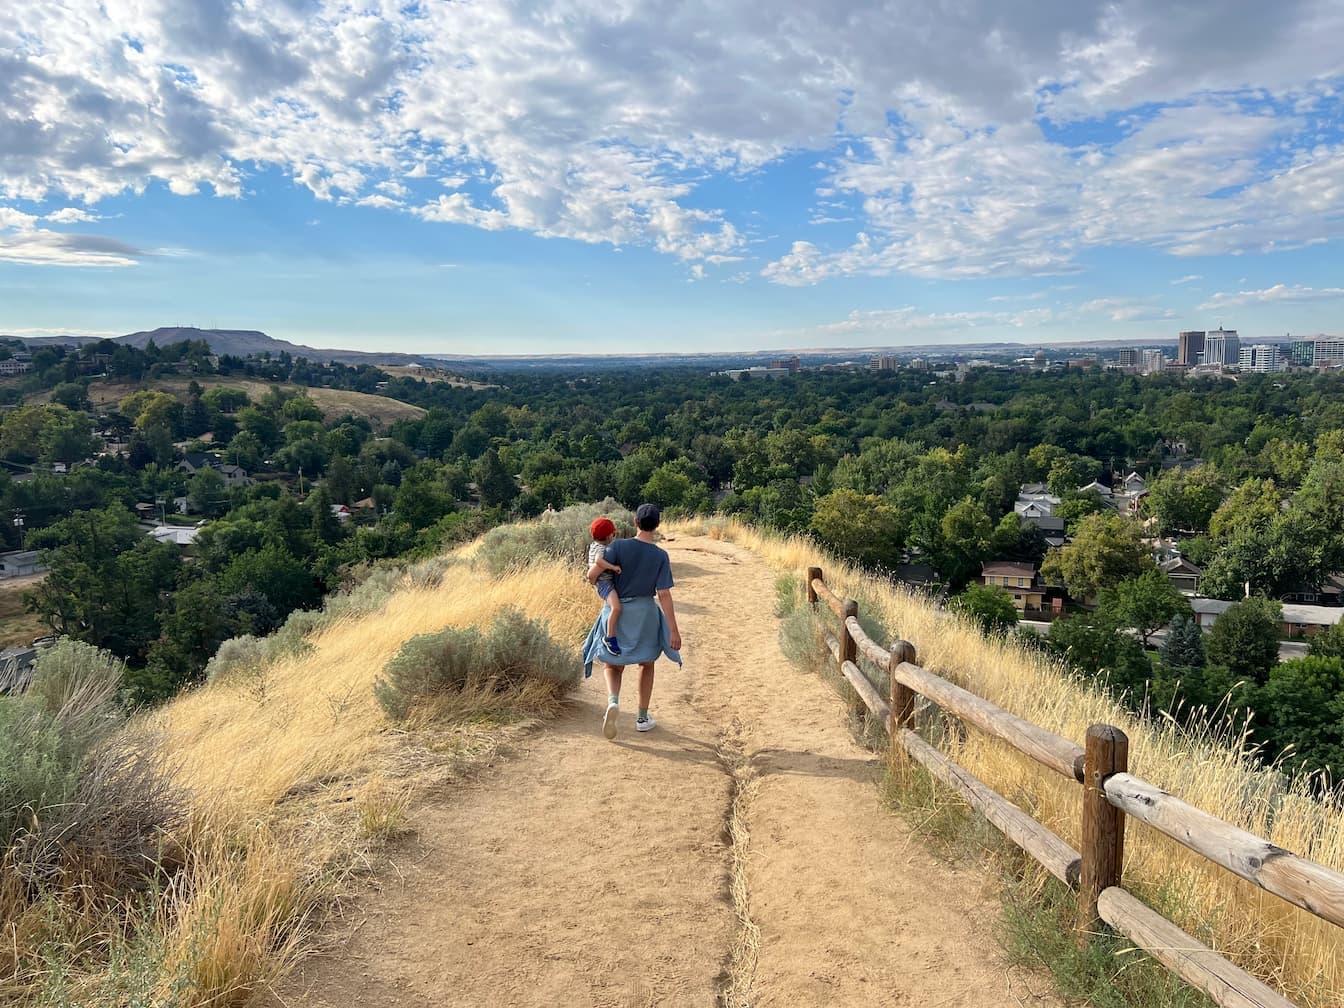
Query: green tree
pixel 860 527
pixel 966 533
pixel 1184 501
pixel 66 436
pixel 1106 549
pixel 1245 638
pixel 71 395
pixel 1145 603
pixel 988 607
pixel 207 493
pixel 1329 643
pixel 1301 710
pixel 497 487
pixel 1184 646
pixel 1253 505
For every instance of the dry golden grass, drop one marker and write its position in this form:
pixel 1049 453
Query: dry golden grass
pixel 381 411
pixel 264 852
pixel 1296 951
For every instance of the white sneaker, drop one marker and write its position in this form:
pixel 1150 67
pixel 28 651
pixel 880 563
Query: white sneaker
pixel 646 724
pixel 609 721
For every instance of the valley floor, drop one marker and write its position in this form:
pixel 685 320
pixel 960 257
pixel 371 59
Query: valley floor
pixel 577 871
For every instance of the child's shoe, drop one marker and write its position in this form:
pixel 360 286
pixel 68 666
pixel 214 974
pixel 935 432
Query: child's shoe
pixel 612 645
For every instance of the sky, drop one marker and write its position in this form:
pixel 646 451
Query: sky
pixel 623 176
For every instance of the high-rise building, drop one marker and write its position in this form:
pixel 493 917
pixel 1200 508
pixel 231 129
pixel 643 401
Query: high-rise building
pixel 1261 357
pixel 884 362
pixel 787 363
pixel 1129 359
pixel 1189 345
pixel 1154 361
pixel 1328 352
pixel 1301 351
pixel 1222 347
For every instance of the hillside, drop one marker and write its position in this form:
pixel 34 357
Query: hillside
pixel 381 411
pixel 241 342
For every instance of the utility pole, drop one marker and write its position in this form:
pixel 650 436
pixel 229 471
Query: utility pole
pixel 18 524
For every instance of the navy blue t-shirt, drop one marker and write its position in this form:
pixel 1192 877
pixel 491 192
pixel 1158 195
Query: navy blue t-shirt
pixel 645 568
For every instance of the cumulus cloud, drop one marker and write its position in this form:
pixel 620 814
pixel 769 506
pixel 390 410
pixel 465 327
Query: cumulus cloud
pixel 976 139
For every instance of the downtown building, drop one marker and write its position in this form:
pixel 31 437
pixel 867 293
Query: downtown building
pixel 1222 347
pixel 1262 358
pixel 1189 347
pixel 1328 352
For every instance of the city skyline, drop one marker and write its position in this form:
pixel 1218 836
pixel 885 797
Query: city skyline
pixel 478 179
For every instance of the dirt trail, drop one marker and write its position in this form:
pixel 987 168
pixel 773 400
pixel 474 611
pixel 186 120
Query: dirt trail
pixel 584 872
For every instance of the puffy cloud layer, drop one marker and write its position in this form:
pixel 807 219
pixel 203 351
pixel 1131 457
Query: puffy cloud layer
pixel 950 141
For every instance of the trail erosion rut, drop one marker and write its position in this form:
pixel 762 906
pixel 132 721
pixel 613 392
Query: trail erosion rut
pixel 738 855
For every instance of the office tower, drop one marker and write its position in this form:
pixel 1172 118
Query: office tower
pixel 1189 345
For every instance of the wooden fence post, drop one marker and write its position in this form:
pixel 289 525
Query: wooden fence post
pixel 902 696
pixel 849 652
pixel 1103 850
pixel 813 574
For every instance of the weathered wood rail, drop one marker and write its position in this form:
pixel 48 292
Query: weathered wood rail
pixel 1110 794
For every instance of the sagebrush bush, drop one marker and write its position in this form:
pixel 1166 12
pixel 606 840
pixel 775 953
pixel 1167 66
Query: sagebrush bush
pixel 516 652
pixel 562 536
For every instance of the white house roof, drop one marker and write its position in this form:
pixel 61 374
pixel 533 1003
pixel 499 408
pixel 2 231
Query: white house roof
pixel 183 535
pixel 1317 615
pixel 1210 606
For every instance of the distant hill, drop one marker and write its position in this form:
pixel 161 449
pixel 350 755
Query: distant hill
pixel 241 342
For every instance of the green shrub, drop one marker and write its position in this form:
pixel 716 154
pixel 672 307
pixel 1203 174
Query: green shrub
pixel 562 536
pixel 514 653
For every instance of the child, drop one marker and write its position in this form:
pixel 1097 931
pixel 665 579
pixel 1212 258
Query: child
pixel 602 576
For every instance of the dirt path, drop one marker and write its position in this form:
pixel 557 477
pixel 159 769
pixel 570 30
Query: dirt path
pixel 585 872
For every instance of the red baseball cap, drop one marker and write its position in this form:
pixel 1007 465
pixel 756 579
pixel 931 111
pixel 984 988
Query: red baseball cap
pixel 602 527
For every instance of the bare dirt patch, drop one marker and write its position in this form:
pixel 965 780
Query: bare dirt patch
pixel 583 872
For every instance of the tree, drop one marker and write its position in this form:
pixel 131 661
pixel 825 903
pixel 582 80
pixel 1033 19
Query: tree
pixel 1301 710
pixel 1254 504
pixel 1329 643
pixel 860 527
pixel 107 583
pixel 67 437
pixel 497 487
pixel 1184 501
pixel 1145 603
pixel 71 395
pixel 988 607
pixel 1245 638
pixel 1016 539
pixel 207 493
pixel 966 532
pixel 1184 646
pixel 1106 549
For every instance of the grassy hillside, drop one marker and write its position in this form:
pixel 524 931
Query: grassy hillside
pixel 381 411
pixel 284 774
pixel 1298 952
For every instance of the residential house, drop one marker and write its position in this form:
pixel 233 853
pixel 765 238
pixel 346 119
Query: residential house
pixel 1330 592
pixel 342 512
pixel 1018 580
pixel 1207 610
pixel 1308 620
pixel 917 577
pixel 194 462
pixel 182 535
pixel 21 563
pixel 235 475
pixel 1183 575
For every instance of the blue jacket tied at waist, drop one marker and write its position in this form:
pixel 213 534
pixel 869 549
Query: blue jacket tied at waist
pixel 642 631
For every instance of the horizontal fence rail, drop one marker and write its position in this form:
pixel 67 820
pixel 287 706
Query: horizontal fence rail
pixel 1110 794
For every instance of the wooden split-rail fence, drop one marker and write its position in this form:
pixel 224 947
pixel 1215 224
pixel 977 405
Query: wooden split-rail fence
pixel 1110 793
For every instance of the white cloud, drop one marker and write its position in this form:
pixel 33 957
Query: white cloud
pixel 1278 294
pixel 1194 130
pixel 1127 309
pixel 1191 278
pixel 39 247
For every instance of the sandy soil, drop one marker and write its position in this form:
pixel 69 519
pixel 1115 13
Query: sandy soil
pixel 584 872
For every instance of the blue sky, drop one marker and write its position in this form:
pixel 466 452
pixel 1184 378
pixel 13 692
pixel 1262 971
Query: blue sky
pixel 490 177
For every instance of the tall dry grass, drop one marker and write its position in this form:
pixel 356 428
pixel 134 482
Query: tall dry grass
pixel 1297 952
pixel 257 749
